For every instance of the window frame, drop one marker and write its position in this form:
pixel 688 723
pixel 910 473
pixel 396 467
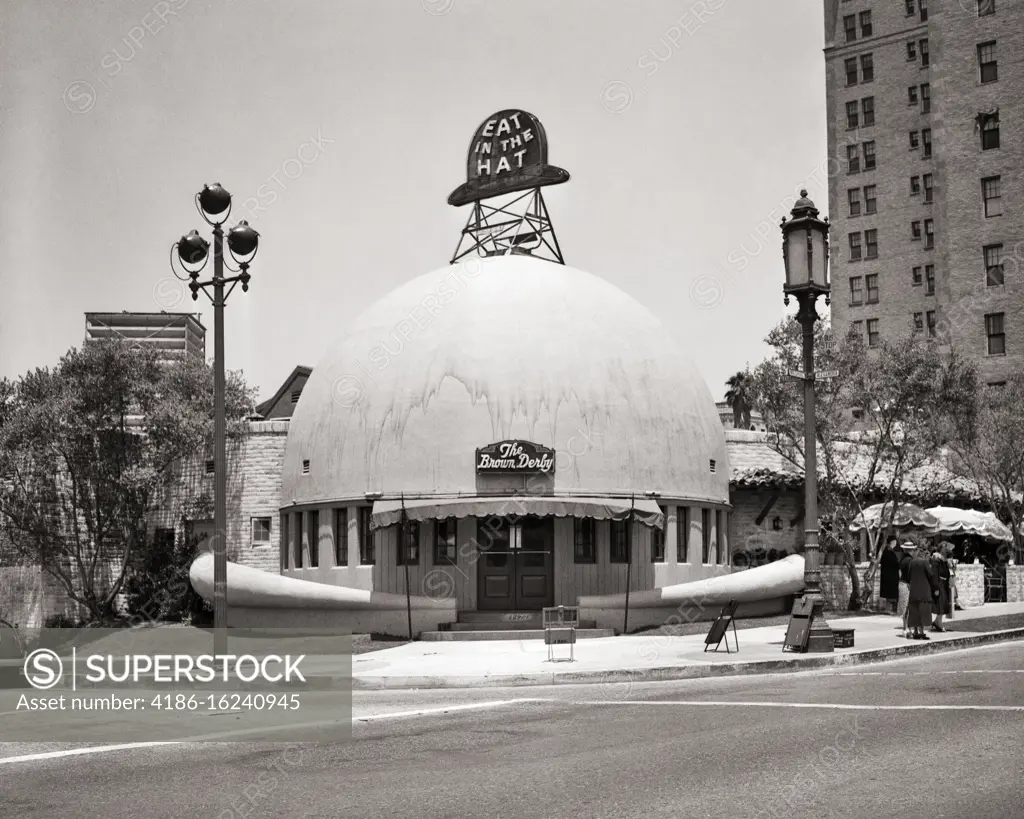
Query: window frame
pixel 926 97
pixel 367 546
pixel 992 65
pixel 873 335
pixel 254 542
pixel 313 537
pixel 851 76
pixel 866 27
pixel 986 7
pixel 867 111
pixel 300 525
pixel 931 323
pixel 658 540
pixel 856 291
pixel 997 251
pixel 911 51
pixel 915 140
pixel 856 248
pixel 929 234
pixel 850 27
pixel 870 202
pixel 869 289
pixel 867 68
pixel 912 98
pixel 989 128
pixel 853 201
pixel 852 115
pixel 919 322
pixel 990 334
pixel 683 534
pixel 341 537
pixel 869 154
pixel 705 536
pixel 928 186
pixel 407 546
pixel 926 143
pixel 915 230
pixel 579 528
pixel 445 529
pixel 619 541
pixel 871 243
pixel 915 185
pixel 922 49
pixel 929 280
pixel 997 181
pixel 852 159
pixel 916 276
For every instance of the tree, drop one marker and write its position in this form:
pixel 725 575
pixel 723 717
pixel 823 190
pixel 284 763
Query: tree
pixel 990 452
pixel 85 449
pixel 879 422
pixel 738 399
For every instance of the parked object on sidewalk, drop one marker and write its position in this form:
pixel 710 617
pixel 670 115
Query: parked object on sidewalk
pixel 843 637
pixel 560 624
pixel 720 629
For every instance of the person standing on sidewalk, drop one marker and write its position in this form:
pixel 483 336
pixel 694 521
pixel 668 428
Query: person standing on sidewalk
pixel 943 575
pixel 903 607
pixel 889 578
pixel 924 588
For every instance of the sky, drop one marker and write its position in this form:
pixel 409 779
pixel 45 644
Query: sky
pixel 341 127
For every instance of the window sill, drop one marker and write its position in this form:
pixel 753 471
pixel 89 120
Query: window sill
pixel 852 261
pixel 856 304
pixel 871 258
pixel 995 355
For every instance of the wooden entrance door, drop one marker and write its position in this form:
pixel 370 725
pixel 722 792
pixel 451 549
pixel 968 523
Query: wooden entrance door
pixel 516 565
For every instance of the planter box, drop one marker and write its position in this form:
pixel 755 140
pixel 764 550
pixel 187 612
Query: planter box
pixel 843 637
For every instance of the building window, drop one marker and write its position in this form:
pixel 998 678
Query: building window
pixel 911 52
pixel 584 540
pixel 929 280
pixel 658 543
pixel 722 541
pixel 314 539
pixel 915 230
pixel 993 265
pixel 867 68
pixel 923 7
pixel 992 196
pixel 918 322
pixel 260 532
pixel 855 247
pixel 445 546
pixel 910 8
pixel 915 185
pixel 340 537
pixel 871 244
pixel 872 332
pixel 867 106
pixel 285 542
pixel 409 544
pixel 853 194
pixel 856 291
pixel 298 539
pixel 705 531
pixel 853 158
pixel 926 142
pixel 852 120
pixel 367 551
pixel 930 315
pixel 872 287
pixel 926 98
pixel 915 276
pixel 928 189
pixel 914 140
pixel 923 48
pixel 986 7
pixel 682 534
pixel 996 336
pixel 987 64
pixel 870 201
pixel 619 547
pixel 858 328
pixel 865 24
pixel 869 156
pixel 850 25
pixel 912 95
pixel 851 71
pixel 929 234
pixel 989 130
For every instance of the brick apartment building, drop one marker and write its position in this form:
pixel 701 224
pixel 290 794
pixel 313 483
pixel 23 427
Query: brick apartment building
pixel 925 102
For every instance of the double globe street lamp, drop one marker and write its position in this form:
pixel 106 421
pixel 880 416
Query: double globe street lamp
pixel 214 205
pixel 805 254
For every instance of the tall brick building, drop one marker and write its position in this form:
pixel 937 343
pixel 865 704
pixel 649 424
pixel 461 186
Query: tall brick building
pixel 925 101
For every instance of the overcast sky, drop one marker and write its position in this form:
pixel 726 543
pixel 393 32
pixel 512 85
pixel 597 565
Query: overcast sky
pixel 687 129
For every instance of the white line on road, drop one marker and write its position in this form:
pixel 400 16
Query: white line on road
pixel 928 673
pixel 834 705
pixel 423 712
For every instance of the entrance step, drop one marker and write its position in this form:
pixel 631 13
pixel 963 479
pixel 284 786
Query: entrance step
pixel 523 626
pixel 510 634
pixel 501 617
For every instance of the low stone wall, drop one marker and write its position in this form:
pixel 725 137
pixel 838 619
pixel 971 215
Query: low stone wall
pixel 1015 584
pixel 970 584
pixel 836 588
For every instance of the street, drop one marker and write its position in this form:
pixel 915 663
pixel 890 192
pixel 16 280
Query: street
pixel 933 737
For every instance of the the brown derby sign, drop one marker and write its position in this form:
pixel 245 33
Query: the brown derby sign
pixel 515 457
pixel 509 153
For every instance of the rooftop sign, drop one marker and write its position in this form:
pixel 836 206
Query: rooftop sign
pixel 515 457
pixel 509 153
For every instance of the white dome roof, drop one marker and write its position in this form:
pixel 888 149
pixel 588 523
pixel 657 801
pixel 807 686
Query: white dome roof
pixel 499 348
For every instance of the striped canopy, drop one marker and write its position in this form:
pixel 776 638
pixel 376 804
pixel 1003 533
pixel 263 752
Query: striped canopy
pixel 970 522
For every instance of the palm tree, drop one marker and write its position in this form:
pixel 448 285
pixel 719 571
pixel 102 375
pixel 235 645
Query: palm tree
pixel 738 398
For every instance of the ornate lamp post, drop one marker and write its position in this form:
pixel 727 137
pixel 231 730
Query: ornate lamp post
pixel 214 205
pixel 805 253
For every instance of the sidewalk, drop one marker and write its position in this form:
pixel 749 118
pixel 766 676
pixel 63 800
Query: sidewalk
pixel 620 661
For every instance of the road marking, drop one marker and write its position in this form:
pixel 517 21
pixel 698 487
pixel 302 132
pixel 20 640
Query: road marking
pixel 832 705
pixel 422 712
pixel 928 673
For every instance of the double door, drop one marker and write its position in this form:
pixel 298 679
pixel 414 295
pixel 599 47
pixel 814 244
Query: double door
pixel 516 565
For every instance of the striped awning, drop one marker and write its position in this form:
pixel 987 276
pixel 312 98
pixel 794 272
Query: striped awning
pixel 646 511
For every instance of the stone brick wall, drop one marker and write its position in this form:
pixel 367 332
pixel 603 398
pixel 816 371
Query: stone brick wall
pixel 745 534
pixel 970 584
pixel 836 588
pixel 1015 584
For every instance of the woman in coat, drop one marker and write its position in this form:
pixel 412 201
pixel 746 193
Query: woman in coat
pixel 924 588
pixel 944 601
pixel 903 608
pixel 889 577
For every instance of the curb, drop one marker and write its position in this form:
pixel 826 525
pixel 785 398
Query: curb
pixel 790 664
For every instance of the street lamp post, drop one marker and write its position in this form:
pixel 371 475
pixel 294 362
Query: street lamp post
pixel 805 254
pixel 214 205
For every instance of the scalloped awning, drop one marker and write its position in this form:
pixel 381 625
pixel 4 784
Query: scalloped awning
pixel 646 511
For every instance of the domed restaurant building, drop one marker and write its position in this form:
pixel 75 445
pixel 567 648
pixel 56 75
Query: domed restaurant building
pixel 503 434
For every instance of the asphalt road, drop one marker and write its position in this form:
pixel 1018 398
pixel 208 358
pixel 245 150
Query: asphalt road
pixel 933 737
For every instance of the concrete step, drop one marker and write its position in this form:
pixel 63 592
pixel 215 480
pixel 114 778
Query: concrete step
pixel 500 617
pixel 528 626
pixel 510 634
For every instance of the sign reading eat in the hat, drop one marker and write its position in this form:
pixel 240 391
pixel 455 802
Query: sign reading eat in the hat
pixel 515 457
pixel 509 152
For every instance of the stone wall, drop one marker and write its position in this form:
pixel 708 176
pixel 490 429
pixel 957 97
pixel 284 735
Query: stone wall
pixel 756 539
pixel 836 588
pixel 970 584
pixel 1015 584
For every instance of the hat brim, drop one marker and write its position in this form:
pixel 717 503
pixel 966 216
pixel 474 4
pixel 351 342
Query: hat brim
pixel 477 189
